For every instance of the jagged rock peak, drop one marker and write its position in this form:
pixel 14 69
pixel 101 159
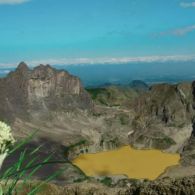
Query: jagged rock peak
pixel 42 66
pixel 43 71
pixel 22 67
pixel 28 92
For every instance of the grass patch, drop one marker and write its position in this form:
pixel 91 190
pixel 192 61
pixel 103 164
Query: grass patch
pixel 96 91
pixel 106 181
pixel 20 174
pixel 124 119
pixel 79 143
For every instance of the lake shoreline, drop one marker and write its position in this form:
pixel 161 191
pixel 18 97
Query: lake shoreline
pixel 136 156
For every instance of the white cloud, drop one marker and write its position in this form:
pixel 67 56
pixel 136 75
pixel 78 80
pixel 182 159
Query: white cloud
pixel 12 2
pixel 109 60
pixel 187 4
pixel 183 31
pixel 177 32
pixel 106 60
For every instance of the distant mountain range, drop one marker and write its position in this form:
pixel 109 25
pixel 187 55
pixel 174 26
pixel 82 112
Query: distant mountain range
pixel 95 75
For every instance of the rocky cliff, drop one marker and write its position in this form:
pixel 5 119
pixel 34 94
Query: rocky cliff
pixel 55 102
pixel 26 93
pixel 188 152
pixel 163 116
pixel 160 117
pixel 170 104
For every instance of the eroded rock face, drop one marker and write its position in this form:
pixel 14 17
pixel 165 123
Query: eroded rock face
pixel 188 153
pixel 170 104
pixel 42 89
pixel 163 117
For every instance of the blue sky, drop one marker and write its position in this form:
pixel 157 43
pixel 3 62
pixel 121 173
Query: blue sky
pixel 74 31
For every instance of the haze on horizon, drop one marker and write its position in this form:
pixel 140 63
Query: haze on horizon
pixel 104 74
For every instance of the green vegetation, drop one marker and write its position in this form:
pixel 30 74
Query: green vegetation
pixel 141 139
pixel 114 141
pixel 163 143
pixel 106 181
pixel 96 91
pixel 71 147
pixel 102 142
pixel 159 140
pixel 177 124
pixel 79 180
pixel 113 95
pixel 124 119
pixel 20 174
pixel 96 114
pixel 80 143
pixel 123 182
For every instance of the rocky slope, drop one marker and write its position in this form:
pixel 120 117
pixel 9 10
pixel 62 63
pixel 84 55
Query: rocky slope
pixel 55 103
pixel 26 93
pixel 163 117
pixel 182 186
pixel 160 117
pixel 48 101
pixel 114 95
pixel 188 153
pixel 170 104
pixel 45 99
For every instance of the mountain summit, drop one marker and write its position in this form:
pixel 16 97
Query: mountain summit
pixel 25 92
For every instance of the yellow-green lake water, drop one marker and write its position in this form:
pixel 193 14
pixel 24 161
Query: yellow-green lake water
pixel 138 164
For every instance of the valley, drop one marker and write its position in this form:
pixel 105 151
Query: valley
pixel 97 97
pixel 73 123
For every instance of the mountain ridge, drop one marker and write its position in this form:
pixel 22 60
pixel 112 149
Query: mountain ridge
pixel 67 116
pixel 41 89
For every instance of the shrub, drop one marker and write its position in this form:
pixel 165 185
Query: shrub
pixel 107 181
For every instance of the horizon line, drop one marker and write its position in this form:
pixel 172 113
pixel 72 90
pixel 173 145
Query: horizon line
pixel 103 60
